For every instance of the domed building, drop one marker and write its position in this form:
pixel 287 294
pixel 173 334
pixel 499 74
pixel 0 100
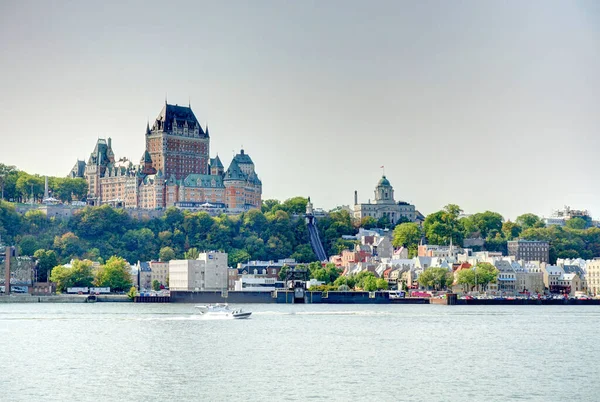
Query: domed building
pixel 384 205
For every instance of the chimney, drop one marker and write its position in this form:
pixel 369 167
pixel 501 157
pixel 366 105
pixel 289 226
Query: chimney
pixel 355 197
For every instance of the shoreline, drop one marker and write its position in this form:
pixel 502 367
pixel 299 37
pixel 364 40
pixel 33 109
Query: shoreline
pixel 284 298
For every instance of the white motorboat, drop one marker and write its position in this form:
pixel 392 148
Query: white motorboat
pixel 222 311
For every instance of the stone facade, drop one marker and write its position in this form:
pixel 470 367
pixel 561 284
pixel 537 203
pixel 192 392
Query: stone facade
pixel 529 250
pixel 384 205
pixel 175 170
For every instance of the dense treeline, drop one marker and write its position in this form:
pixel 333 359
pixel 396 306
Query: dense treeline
pixel 19 186
pixel 577 239
pixel 276 231
pixel 97 233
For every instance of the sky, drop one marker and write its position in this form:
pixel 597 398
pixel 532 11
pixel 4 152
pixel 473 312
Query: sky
pixel 491 105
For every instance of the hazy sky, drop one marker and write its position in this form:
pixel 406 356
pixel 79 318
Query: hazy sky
pixel 492 105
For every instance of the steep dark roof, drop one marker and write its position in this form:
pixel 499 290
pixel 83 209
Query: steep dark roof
pixel 101 153
pixel 234 172
pixel 243 158
pixel 216 163
pixel 180 115
pixel 78 170
pixel 147 158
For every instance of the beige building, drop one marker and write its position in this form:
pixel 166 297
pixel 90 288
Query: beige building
pixel 593 276
pixel 159 272
pixel 208 272
pixel 529 277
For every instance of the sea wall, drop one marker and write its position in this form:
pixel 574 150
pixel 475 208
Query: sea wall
pixel 43 299
pixel 287 297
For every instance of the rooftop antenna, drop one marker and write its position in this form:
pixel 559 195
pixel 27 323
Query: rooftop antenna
pixel 165 98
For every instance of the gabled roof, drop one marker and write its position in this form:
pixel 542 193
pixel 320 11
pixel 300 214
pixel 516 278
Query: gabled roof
pixel 216 162
pixel 234 172
pixel 179 115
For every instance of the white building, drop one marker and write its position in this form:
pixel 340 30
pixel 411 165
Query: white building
pixel 593 276
pixel 257 283
pixel 208 272
pixel 384 205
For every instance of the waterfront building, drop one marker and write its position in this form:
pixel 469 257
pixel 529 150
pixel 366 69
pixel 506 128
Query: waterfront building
pixel 593 276
pixel 141 276
pixel 384 205
pixel 267 268
pixel 159 271
pixel 529 250
pixel 507 278
pixel 529 277
pixel 174 170
pixel 208 272
pixel 257 283
pixel 552 275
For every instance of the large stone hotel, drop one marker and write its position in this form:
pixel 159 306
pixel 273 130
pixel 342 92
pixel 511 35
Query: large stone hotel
pixel 175 170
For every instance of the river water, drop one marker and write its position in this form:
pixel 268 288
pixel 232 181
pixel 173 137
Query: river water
pixel 164 352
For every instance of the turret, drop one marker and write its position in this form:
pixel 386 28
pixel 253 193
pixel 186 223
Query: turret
pixel 309 212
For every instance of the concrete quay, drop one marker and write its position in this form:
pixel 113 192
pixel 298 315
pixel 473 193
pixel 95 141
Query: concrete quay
pixel 63 299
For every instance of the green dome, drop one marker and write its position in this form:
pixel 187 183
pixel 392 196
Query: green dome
pixel 384 182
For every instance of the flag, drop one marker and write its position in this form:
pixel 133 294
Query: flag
pixel 381 167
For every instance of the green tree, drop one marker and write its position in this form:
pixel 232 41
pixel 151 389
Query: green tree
pixel 132 292
pixel 155 285
pixel 283 272
pixel 6 171
pixel 576 223
pixel 80 274
pixel 368 222
pixel 114 274
pixel 361 278
pixel 485 223
pixel 69 245
pixel 304 253
pixel 46 260
pixel 269 205
pixel 296 205
pixel 466 278
pixel 485 273
pixel 191 254
pixel 527 221
pixel 511 230
pixel 443 226
pixel 381 284
pixel 436 278
pixel 407 235
pixel 166 254
pixel 28 185
pixel 369 284
pixel 10 222
pixel 28 244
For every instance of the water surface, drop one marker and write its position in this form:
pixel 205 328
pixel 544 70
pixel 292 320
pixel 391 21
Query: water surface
pixel 164 352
